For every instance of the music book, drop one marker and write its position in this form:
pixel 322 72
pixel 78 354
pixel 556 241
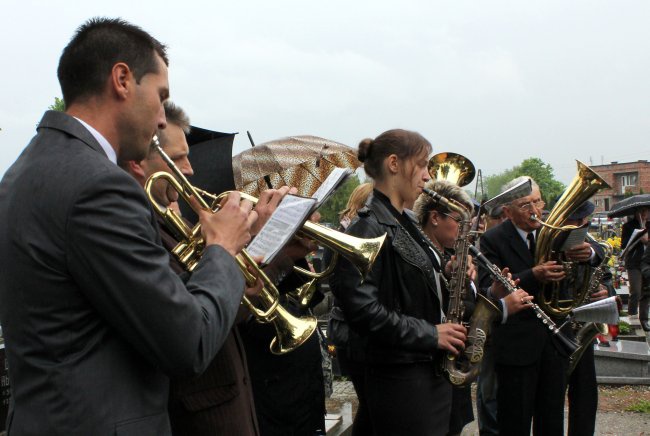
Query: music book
pixel 575 238
pixel 288 217
pixel 335 179
pixel 634 240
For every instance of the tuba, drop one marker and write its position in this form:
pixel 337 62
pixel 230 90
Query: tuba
pixel 584 185
pixel 461 370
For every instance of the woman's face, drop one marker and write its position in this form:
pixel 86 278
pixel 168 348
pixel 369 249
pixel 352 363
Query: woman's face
pixel 444 227
pixel 413 176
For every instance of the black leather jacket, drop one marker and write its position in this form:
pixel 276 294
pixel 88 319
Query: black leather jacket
pixel 393 312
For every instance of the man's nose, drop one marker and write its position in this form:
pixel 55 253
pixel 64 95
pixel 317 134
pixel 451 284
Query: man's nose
pixel 186 167
pixel 162 120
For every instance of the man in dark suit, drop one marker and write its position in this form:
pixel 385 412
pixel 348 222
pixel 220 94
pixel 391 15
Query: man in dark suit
pixel 94 318
pixel 219 401
pixel 530 372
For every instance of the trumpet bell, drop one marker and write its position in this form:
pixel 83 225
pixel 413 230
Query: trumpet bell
pixel 453 167
pixel 291 331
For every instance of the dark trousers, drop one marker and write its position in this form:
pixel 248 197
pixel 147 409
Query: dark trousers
pixel 636 285
pixel 486 394
pixel 357 373
pixel 408 399
pixel 533 392
pixel 583 396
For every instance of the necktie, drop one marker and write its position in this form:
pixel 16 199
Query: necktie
pixel 531 244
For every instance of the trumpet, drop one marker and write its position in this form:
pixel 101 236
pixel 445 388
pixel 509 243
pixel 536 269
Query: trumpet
pixel 291 331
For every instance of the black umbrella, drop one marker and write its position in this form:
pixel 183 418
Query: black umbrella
pixel 629 205
pixel 211 159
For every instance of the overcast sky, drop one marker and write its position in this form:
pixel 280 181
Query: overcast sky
pixel 498 81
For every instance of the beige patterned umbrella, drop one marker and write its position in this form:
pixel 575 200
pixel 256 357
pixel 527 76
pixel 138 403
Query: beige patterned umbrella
pixel 300 161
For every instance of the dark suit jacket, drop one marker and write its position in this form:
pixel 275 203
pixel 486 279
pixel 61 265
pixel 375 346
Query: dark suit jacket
pixel 219 401
pixel 521 339
pixel 93 317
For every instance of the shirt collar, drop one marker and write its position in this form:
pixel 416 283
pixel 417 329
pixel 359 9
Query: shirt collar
pixel 524 234
pixel 106 146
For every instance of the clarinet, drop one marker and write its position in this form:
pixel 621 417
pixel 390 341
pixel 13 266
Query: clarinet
pixel 568 345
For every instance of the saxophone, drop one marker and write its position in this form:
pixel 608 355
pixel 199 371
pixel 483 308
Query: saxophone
pixel 461 370
pixel 586 332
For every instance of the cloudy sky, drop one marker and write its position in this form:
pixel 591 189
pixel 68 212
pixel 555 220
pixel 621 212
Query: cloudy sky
pixel 498 81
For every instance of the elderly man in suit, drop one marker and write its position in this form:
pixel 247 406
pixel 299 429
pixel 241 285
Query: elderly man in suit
pixel 531 373
pixel 94 318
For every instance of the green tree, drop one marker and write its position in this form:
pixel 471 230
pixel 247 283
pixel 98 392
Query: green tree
pixel 336 203
pixel 534 167
pixel 59 105
pixel 542 173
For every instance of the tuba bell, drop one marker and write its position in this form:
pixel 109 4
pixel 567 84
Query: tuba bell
pixel 453 167
pixel 583 186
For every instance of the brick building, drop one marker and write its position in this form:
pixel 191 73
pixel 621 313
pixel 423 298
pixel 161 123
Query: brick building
pixel 630 177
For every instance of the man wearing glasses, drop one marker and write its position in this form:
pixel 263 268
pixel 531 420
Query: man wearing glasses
pixel 530 372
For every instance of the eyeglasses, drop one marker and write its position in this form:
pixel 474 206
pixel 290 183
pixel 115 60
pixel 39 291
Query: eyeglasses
pixel 458 220
pixel 538 204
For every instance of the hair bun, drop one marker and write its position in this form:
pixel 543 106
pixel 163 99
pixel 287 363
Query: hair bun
pixel 364 149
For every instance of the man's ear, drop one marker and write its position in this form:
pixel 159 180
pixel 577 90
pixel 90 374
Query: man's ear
pixel 121 79
pixel 137 170
pixel 507 212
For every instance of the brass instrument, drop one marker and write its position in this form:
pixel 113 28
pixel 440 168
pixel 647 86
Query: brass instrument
pixel 586 332
pixel 453 167
pixel 584 185
pixel 291 331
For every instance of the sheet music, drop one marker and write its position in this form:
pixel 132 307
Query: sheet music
pixel 605 311
pixel 633 241
pixel 575 238
pixel 289 216
pixel 336 177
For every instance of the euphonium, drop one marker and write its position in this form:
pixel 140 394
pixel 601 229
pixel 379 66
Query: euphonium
pixel 291 331
pixel 584 185
pixel 461 370
pixel 453 167
pixel 586 332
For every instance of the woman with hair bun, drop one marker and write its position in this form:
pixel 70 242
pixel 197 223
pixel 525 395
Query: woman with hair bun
pixel 395 312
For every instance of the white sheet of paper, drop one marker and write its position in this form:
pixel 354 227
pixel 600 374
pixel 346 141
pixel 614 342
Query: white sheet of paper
pixel 575 238
pixel 289 215
pixel 605 311
pixel 632 242
pixel 336 177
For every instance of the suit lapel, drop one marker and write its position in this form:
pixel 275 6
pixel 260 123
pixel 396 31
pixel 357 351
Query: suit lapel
pixel 519 247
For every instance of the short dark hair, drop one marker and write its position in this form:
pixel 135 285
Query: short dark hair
pixel 175 115
pixel 96 46
pixel 402 143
